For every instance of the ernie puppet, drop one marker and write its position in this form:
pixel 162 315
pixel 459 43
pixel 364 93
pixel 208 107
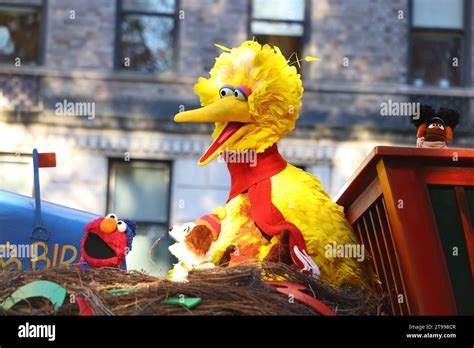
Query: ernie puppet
pixel 435 128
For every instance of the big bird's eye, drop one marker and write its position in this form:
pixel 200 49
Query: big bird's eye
pixel 226 91
pixel 121 226
pixel 431 125
pixel 112 216
pixel 242 93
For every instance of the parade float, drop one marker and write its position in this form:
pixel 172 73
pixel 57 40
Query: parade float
pixel 264 252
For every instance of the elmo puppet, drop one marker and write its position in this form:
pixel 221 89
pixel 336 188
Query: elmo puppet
pixel 107 241
pixel 435 128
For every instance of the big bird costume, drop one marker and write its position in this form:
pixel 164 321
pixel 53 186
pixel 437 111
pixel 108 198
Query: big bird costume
pixel 274 211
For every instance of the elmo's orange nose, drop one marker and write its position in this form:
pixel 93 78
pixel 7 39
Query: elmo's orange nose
pixel 108 225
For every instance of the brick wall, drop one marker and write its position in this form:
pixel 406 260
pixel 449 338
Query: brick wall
pixel 205 23
pixel 366 32
pixel 80 34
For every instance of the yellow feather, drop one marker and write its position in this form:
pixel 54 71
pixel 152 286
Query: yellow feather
pixel 222 48
pixel 274 104
pixel 301 199
pixel 274 84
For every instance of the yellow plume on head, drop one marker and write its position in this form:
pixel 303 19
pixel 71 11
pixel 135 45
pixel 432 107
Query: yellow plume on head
pixel 276 88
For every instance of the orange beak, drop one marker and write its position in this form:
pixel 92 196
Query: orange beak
pixel 108 225
pixel 234 112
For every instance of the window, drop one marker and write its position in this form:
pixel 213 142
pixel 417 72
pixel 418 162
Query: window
pixel 20 28
pixel 280 23
pixel 437 42
pixel 16 174
pixel 147 28
pixel 139 190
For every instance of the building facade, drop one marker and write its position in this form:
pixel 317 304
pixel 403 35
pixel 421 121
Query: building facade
pixel 98 82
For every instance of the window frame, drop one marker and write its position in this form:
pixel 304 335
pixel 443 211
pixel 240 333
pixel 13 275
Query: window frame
pixel 111 184
pixel 305 38
pixel 43 9
pixel 119 12
pixel 465 32
pixel 23 158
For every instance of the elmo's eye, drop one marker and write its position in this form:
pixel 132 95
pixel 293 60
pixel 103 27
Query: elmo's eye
pixel 121 226
pixel 242 93
pixel 431 126
pixel 112 216
pixel 226 91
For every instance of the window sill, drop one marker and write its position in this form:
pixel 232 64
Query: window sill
pixel 173 78
pixel 386 88
pixel 115 75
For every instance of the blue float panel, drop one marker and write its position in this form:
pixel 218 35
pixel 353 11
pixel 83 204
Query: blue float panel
pixel 64 225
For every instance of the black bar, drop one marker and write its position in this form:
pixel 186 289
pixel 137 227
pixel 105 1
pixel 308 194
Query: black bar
pixel 242 330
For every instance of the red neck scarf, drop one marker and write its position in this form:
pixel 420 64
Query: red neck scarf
pixel 244 175
pixel 255 178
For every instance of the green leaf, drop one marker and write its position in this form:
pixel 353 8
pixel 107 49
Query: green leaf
pixel 38 288
pixel 188 302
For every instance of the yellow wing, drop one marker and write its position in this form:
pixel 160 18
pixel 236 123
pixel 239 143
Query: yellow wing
pixel 301 199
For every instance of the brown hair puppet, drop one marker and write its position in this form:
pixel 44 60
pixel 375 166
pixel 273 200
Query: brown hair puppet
pixel 435 129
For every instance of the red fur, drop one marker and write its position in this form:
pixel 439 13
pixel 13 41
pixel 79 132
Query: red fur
pixel 449 133
pixel 115 240
pixel 421 130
